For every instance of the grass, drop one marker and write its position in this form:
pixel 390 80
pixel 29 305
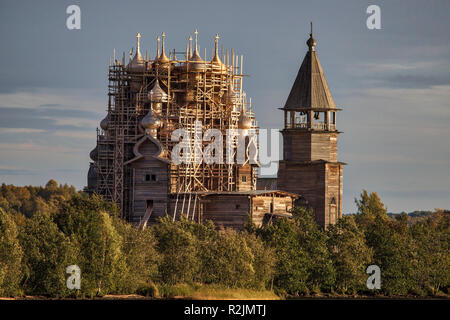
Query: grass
pixel 214 292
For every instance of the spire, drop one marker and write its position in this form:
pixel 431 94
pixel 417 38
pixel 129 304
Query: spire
pixel 216 45
pixel 137 62
pixel 311 41
pixel 196 38
pixel 216 60
pixel 195 61
pixel 190 45
pixel 163 58
pixel 157 47
pixel 310 89
pixel 138 37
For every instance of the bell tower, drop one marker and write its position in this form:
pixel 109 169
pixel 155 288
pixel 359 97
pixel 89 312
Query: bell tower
pixel 310 167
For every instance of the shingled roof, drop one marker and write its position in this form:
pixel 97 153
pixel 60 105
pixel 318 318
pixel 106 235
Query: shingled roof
pixel 310 89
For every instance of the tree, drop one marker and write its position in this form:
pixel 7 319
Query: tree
pixel 291 271
pixel 303 261
pixel 369 206
pixel 88 225
pixel 314 240
pixel 264 260
pixel 47 254
pixel 178 250
pixel 10 256
pixel 350 255
pixel 139 250
pixel 393 253
pixel 432 238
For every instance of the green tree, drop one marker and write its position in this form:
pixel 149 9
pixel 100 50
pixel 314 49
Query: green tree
pixel 369 206
pixel 178 249
pixel 88 225
pixel 10 256
pixel 393 253
pixel 292 270
pixel 432 238
pixel 303 261
pixel 139 250
pixel 264 260
pixel 47 254
pixel 350 255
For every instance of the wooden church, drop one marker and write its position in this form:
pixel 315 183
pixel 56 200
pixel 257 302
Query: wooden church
pixel 132 164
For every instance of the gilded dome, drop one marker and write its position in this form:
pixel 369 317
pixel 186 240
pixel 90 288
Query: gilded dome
pixel 137 64
pixel 162 59
pixel 244 121
pixel 195 61
pixel 231 95
pixel 216 63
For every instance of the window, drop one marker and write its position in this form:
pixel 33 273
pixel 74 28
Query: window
pixel 238 206
pixel 333 200
pixel 244 178
pixel 150 177
pixel 271 207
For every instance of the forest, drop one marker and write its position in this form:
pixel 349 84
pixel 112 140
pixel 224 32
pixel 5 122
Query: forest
pixel 43 230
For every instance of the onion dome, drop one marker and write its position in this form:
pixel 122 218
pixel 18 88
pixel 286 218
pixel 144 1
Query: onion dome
pixel 157 94
pixel 94 154
pixel 231 95
pixel 92 177
pixel 217 64
pixel 104 123
pixel 163 58
pixel 244 121
pixel 137 64
pixel 195 61
pixel 92 173
pixel 150 121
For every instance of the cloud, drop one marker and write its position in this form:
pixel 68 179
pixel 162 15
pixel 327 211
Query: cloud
pixel 417 80
pixel 37 149
pixel 55 99
pixel 16 172
pixel 76 134
pixel 404 74
pixel 20 130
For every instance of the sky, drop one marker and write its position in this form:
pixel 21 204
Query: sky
pixel 393 84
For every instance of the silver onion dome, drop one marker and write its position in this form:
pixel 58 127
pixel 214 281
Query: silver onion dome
pixel 150 121
pixel 157 94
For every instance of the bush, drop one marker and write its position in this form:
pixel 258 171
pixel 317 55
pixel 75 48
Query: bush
pixel 148 290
